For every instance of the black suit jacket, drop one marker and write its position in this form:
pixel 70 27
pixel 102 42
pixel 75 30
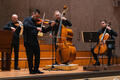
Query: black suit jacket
pixel 16 33
pixel 30 31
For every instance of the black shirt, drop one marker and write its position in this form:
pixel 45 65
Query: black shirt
pixel 112 33
pixel 111 41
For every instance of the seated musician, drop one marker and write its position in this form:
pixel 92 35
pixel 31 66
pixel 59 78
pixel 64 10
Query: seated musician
pixel 54 26
pixel 15 26
pixel 110 46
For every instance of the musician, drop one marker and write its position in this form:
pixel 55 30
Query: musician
pixel 110 46
pixel 15 26
pixel 31 44
pixel 54 26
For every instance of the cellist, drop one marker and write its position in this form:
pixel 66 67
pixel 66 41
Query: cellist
pixel 110 46
pixel 54 26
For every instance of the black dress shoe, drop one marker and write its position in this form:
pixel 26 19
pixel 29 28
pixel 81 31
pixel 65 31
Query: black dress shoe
pixel 17 68
pixel 55 63
pixel 109 64
pixel 32 72
pixel 39 72
pixel 96 64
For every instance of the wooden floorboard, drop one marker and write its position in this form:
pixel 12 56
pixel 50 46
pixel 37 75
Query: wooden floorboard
pixel 56 75
pixel 102 67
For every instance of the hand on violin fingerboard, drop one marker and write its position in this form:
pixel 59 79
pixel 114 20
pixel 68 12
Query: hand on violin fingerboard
pixel 64 18
pixel 20 23
pixel 109 28
pixel 39 29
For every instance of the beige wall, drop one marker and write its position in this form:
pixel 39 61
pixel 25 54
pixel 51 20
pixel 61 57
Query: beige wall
pixel 84 14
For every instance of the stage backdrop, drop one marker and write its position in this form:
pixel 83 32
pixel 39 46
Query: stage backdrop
pixel 84 15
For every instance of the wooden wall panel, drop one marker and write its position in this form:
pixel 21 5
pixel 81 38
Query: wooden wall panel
pixel 84 14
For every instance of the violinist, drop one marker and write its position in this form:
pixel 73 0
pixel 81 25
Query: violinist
pixel 54 27
pixel 15 26
pixel 30 31
pixel 110 46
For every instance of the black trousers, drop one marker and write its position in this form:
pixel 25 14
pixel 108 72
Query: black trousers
pixel 108 53
pixel 55 44
pixel 33 51
pixel 15 45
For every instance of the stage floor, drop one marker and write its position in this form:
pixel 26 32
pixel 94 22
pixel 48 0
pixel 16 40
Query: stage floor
pixel 78 74
pixel 101 78
pixel 25 73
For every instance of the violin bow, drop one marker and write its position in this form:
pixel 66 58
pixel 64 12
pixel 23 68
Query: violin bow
pixel 43 19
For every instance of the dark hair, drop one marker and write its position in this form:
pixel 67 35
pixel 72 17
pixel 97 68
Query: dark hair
pixel 103 21
pixel 37 11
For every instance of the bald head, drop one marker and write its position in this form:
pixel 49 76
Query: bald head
pixel 14 18
pixel 15 15
pixel 57 14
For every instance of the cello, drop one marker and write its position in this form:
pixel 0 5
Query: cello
pixel 101 47
pixel 65 52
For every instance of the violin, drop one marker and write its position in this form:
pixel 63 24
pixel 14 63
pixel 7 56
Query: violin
pixel 39 21
pixel 16 24
pixel 46 21
pixel 19 24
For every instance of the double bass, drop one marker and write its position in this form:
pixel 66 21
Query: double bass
pixel 65 52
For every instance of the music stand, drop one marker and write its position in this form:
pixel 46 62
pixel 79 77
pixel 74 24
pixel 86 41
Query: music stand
pixel 90 37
